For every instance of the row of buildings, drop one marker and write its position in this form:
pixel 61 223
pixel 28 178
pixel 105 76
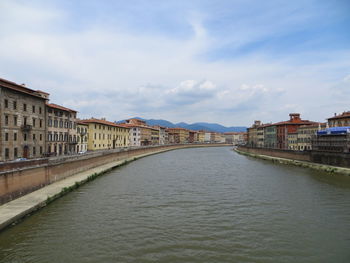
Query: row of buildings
pixel 300 135
pixel 32 127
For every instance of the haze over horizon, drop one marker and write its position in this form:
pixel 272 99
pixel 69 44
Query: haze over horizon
pixel 227 62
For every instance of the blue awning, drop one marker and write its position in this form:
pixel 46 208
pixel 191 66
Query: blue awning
pixel 335 130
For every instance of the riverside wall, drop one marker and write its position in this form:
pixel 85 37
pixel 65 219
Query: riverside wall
pixel 22 180
pixel 322 161
pixel 287 154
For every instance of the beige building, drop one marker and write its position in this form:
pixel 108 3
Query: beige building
pixel 104 134
pixel 82 136
pixel 340 120
pixel 292 141
pixel 22 121
pixel 305 135
pixel 61 130
pixel 253 134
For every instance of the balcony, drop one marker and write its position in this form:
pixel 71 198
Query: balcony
pixel 26 128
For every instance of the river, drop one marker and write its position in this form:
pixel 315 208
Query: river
pixel 192 205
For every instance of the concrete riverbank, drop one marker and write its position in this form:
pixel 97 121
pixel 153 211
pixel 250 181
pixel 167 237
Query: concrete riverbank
pixel 306 164
pixel 15 210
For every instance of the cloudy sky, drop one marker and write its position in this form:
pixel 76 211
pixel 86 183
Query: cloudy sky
pixel 229 62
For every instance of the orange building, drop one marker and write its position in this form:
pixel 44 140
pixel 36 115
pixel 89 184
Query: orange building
pixel 291 126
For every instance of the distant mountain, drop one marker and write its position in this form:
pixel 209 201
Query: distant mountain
pixel 194 126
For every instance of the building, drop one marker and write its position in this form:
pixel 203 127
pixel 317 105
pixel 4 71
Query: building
pixel 61 130
pixel 340 120
pixel 291 126
pixel 260 135
pixel 293 141
pixel 82 136
pixel 270 136
pixel 305 134
pixel 207 136
pixel 141 134
pixel 201 136
pixel 178 135
pixel 253 134
pixel 334 139
pixel 22 121
pixel 103 134
pixel 163 135
pixel 235 138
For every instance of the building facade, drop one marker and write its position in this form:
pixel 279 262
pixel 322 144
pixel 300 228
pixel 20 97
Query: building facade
pixel 22 122
pixel 305 134
pixel 340 120
pixel 270 136
pixel 291 126
pixel 61 130
pixel 334 139
pixel 178 135
pixel 103 134
pixel 82 137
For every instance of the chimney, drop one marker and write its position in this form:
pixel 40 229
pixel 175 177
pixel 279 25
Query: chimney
pixel 335 114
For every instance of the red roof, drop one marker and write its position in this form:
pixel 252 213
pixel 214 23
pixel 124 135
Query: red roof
pixel 299 122
pixel 103 122
pixel 20 88
pixel 55 106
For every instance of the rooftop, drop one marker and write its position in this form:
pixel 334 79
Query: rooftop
pixel 345 114
pixel 59 107
pixel 20 88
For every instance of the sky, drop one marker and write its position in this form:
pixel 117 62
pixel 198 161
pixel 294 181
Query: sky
pixel 228 61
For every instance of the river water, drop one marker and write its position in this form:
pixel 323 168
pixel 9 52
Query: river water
pixel 192 205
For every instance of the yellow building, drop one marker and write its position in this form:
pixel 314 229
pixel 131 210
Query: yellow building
pixel 178 135
pixel 305 134
pixel 201 136
pixel 106 135
pixel 293 141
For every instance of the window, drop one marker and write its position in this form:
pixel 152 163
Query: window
pixel 34 136
pixel 40 137
pixel 33 122
pixel 6 136
pixel 50 122
pixel 15 136
pixel 55 123
pixel 24 107
pixel 7 153
pixel 39 110
pixel 15 105
pixel 15 120
pixel 24 120
pixel 24 136
pixel 61 124
pixel 41 150
pixel 34 151
pixel 41 123
pixel 15 152
pixel 6 120
pixel 6 103
pixel 33 108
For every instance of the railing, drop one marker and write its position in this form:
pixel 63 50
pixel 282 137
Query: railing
pixel 26 128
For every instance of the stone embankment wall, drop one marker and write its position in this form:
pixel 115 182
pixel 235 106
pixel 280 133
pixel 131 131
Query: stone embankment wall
pixel 22 180
pixel 322 161
pixel 288 154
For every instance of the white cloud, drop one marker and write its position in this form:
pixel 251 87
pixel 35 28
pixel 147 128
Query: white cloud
pixel 109 71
